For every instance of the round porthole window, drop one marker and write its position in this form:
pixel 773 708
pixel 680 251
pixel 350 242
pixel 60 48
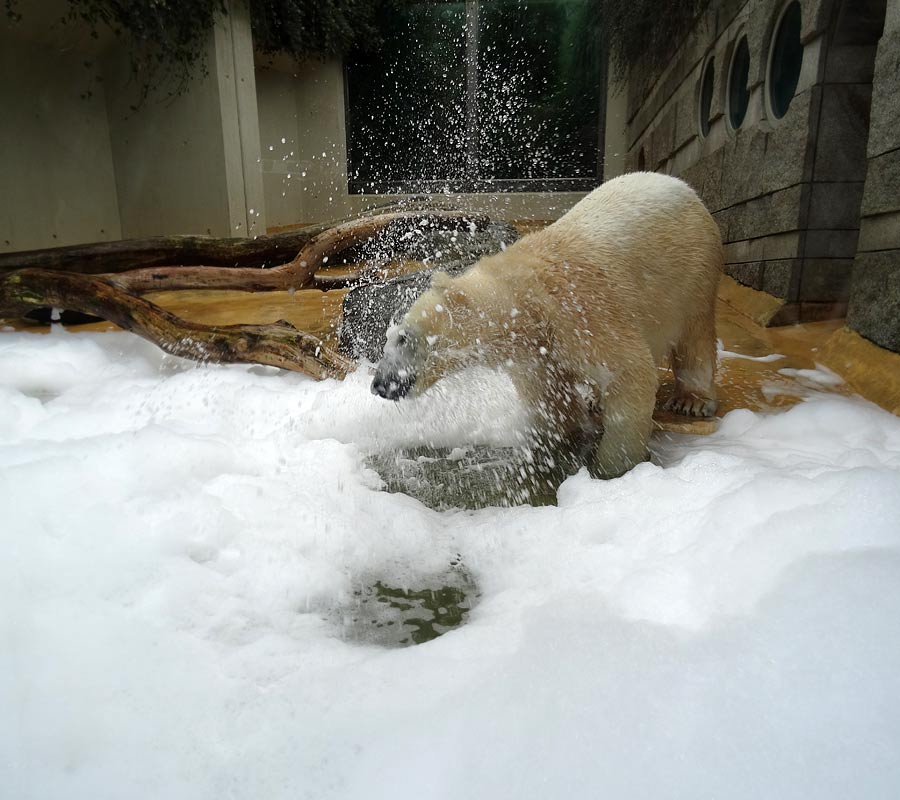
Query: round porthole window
pixel 738 90
pixel 706 96
pixel 785 61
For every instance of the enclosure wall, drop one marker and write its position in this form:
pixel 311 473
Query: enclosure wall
pixel 785 191
pixel 57 181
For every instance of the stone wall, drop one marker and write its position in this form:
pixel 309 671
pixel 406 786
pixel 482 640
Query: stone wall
pixel 875 291
pixel 785 192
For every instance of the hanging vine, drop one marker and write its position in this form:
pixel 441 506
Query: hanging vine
pixel 167 38
pixel 644 32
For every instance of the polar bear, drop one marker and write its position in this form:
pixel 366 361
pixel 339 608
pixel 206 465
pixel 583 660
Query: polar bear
pixel 582 314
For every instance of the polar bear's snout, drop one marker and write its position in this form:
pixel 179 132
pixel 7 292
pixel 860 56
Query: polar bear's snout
pixel 396 373
pixel 392 385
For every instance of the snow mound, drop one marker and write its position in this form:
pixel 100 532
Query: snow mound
pixel 719 623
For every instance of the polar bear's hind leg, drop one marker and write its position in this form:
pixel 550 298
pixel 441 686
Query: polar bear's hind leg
pixel 694 365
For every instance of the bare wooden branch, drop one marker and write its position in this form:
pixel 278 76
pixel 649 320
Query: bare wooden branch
pixel 265 251
pixel 297 273
pixel 114 295
pixel 119 256
pixel 279 345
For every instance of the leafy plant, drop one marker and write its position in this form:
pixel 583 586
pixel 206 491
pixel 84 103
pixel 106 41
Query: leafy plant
pixel 167 38
pixel 304 28
pixel 644 32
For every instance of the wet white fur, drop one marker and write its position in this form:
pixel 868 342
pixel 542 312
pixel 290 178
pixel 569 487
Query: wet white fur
pixel 620 284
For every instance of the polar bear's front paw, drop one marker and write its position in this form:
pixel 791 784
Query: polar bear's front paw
pixel 691 405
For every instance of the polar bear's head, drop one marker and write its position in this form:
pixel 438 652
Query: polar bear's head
pixel 432 340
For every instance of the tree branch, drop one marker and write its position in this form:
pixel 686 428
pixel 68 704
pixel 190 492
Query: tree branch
pixel 279 345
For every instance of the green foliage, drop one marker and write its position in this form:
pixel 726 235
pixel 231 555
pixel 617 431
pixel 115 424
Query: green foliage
pixel 645 32
pixel 166 38
pixel 304 28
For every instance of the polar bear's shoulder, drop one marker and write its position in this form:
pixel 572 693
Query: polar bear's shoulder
pixel 624 201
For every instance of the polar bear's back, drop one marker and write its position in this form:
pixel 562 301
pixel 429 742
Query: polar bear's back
pixel 628 205
pixel 644 247
pixel 643 227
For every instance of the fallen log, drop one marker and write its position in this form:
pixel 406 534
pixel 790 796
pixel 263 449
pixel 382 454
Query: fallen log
pixel 264 251
pixel 115 296
pixel 278 345
pixel 119 256
pixel 299 271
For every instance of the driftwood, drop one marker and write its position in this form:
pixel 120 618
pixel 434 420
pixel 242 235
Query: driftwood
pixel 266 250
pixel 115 296
pixel 297 273
pixel 119 256
pixel 278 345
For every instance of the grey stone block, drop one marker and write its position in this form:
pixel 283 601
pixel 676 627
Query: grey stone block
pixel 759 162
pixel 815 18
pixel 662 140
pixel 874 310
pixel 817 312
pixel 851 64
pixel 790 147
pixel 767 248
pixel 884 132
pixel 780 278
pixel 706 178
pixel 758 30
pixel 835 205
pixel 882 192
pixel 778 246
pixel 824 280
pixel 748 274
pixel 774 213
pixel 843 133
pixel 881 232
pixel 726 13
pixel 687 120
pixel 830 244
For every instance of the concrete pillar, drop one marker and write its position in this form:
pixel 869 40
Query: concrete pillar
pixel 875 288
pixel 189 164
pixel 615 141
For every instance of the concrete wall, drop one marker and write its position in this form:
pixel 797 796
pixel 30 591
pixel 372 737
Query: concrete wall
pixel 190 164
pixel 210 161
pixel 57 180
pixel 786 192
pixel 615 141
pixel 80 165
pixel 303 104
pixel 875 291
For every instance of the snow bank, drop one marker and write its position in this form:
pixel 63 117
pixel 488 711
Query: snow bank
pixel 720 623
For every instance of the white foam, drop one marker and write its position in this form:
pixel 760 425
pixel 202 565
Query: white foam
pixel 719 623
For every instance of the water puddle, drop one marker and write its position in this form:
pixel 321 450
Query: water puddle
pixel 474 477
pixel 383 614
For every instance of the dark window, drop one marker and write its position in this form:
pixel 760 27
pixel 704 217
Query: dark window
pixel 738 90
pixel 496 95
pixel 787 59
pixel 706 96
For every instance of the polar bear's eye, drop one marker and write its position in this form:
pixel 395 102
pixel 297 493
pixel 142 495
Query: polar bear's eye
pixel 401 337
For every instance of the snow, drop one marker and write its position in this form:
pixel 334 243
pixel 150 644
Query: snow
pixel 175 539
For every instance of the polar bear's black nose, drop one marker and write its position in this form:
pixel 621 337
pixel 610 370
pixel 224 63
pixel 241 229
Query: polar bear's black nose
pixel 392 387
